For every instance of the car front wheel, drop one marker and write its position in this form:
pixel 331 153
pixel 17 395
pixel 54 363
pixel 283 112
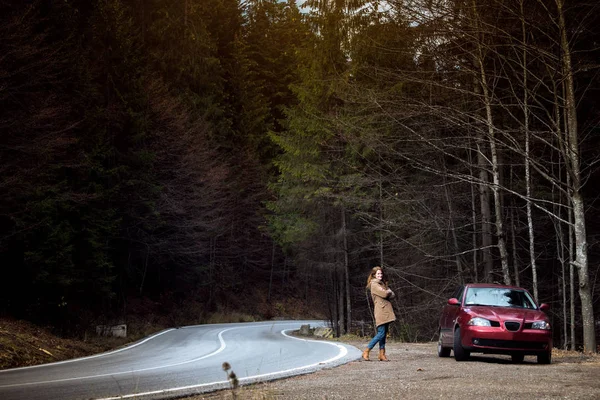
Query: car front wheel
pixel 544 358
pixel 460 354
pixel 442 351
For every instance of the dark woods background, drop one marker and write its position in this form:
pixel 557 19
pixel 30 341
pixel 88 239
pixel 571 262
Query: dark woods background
pixel 186 158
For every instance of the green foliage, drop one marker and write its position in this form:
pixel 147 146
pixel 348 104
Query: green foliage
pixel 122 181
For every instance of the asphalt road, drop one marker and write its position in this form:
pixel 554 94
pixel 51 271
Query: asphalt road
pixel 180 361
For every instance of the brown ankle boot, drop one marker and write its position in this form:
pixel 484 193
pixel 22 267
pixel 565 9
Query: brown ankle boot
pixel 365 354
pixel 382 356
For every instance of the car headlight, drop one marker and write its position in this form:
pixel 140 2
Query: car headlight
pixel 479 322
pixel 541 325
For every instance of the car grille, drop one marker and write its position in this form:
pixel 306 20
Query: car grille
pixel 512 326
pixel 510 344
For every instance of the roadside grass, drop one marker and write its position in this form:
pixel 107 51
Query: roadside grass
pixel 257 391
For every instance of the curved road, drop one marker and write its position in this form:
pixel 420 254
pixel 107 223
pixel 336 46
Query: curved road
pixel 180 361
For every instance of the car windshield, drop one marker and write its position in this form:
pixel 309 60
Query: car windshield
pixel 498 297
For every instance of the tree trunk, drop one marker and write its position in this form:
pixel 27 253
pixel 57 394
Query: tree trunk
pixel 486 231
pixel 572 286
pixel 563 288
pixel 561 119
pixel 581 263
pixel 494 152
pixel 527 160
pixel 332 297
pixel 271 274
pixel 475 274
pixel 380 222
pixel 515 257
pixel 456 250
pixel 283 272
pixel 341 298
pixel 346 273
pixel 581 260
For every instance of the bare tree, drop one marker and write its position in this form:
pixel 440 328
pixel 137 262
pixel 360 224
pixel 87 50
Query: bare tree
pixel 574 162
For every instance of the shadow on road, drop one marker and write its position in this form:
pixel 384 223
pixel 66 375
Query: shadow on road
pixel 498 359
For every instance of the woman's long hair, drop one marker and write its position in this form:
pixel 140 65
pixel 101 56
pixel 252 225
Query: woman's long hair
pixel 372 276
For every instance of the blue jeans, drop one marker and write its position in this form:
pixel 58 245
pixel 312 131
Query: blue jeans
pixel 379 337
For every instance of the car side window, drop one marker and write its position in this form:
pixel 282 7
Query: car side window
pixel 458 294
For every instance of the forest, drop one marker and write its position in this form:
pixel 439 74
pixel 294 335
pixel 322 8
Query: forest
pixel 194 157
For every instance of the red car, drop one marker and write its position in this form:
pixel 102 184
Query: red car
pixel 496 319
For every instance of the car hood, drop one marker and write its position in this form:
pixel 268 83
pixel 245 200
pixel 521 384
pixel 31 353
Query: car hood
pixel 505 313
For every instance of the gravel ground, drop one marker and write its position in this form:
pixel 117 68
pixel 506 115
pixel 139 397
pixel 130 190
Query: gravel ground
pixel 416 372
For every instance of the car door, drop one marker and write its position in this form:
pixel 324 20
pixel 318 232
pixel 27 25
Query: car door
pixel 449 314
pixel 454 310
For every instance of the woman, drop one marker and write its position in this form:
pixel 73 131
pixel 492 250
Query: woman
pixel 384 314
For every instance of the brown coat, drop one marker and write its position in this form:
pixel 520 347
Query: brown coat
pixel 384 312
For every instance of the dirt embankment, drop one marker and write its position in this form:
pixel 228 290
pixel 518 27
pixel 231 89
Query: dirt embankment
pixel 24 344
pixel 416 372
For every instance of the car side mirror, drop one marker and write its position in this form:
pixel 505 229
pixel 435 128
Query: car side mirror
pixel 453 302
pixel 544 307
